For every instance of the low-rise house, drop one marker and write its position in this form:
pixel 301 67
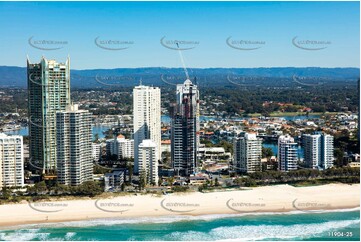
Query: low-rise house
pixel 209 154
pixel 113 181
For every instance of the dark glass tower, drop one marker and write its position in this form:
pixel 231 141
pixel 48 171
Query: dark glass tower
pixel 185 129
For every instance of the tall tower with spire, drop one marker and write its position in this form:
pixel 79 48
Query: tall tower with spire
pixel 185 129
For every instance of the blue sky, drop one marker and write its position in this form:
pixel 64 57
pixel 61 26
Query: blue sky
pixel 208 24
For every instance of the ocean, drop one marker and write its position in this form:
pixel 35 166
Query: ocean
pixel 325 225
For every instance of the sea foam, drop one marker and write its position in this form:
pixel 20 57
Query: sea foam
pixel 176 218
pixel 262 232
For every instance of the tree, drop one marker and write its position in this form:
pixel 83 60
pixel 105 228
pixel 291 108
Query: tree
pixel 60 189
pixel 5 193
pixel 130 171
pixel 96 137
pixel 170 181
pixel 248 182
pixel 180 188
pixel 216 183
pixel 89 188
pixel 267 152
pixel 113 157
pixel 167 158
pixel 339 162
pixel 97 169
pixel 228 147
pixel 142 180
pixel 39 188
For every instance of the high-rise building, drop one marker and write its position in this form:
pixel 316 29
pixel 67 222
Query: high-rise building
pixel 146 120
pixel 327 157
pixel 11 161
pixel 48 92
pixel 96 151
pixel 287 153
pixel 318 150
pixel 248 153
pixel 121 147
pixel 148 163
pixel 74 141
pixel 185 129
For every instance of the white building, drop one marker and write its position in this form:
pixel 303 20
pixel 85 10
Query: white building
pixel 248 153
pixel 287 153
pixel 74 146
pixel 113 181
pixel 96 151
pixel 11 161
pixel 121 147
pixel 148 163
pixel 318 149
pixel 146 119
pixel 166 146
pixel 327 157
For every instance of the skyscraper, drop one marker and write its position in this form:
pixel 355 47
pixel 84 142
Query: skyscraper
pixel 248 153
pixel 327 157
pixel 148 163
pixel 318 149
pixel 185 129
pixel 287 153
pixel 11 161
pixel 146 119
pixel 48 92
pixel 74 143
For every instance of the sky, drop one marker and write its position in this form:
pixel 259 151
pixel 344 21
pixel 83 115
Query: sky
pixel 260 34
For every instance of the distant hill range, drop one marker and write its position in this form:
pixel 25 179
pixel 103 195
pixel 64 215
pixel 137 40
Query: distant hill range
pixel 11 76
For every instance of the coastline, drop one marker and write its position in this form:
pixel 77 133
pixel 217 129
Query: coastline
pixel 267 199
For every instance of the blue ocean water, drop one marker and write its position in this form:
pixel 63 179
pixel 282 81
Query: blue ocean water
pixel 340 225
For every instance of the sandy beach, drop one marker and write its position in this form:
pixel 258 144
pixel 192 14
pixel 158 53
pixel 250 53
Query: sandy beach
pixel 280 198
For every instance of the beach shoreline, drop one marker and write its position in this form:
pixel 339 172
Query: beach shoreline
pixel 258 200
pixel 160 218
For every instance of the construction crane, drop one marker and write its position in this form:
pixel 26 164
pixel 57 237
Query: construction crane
pixel 183 64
